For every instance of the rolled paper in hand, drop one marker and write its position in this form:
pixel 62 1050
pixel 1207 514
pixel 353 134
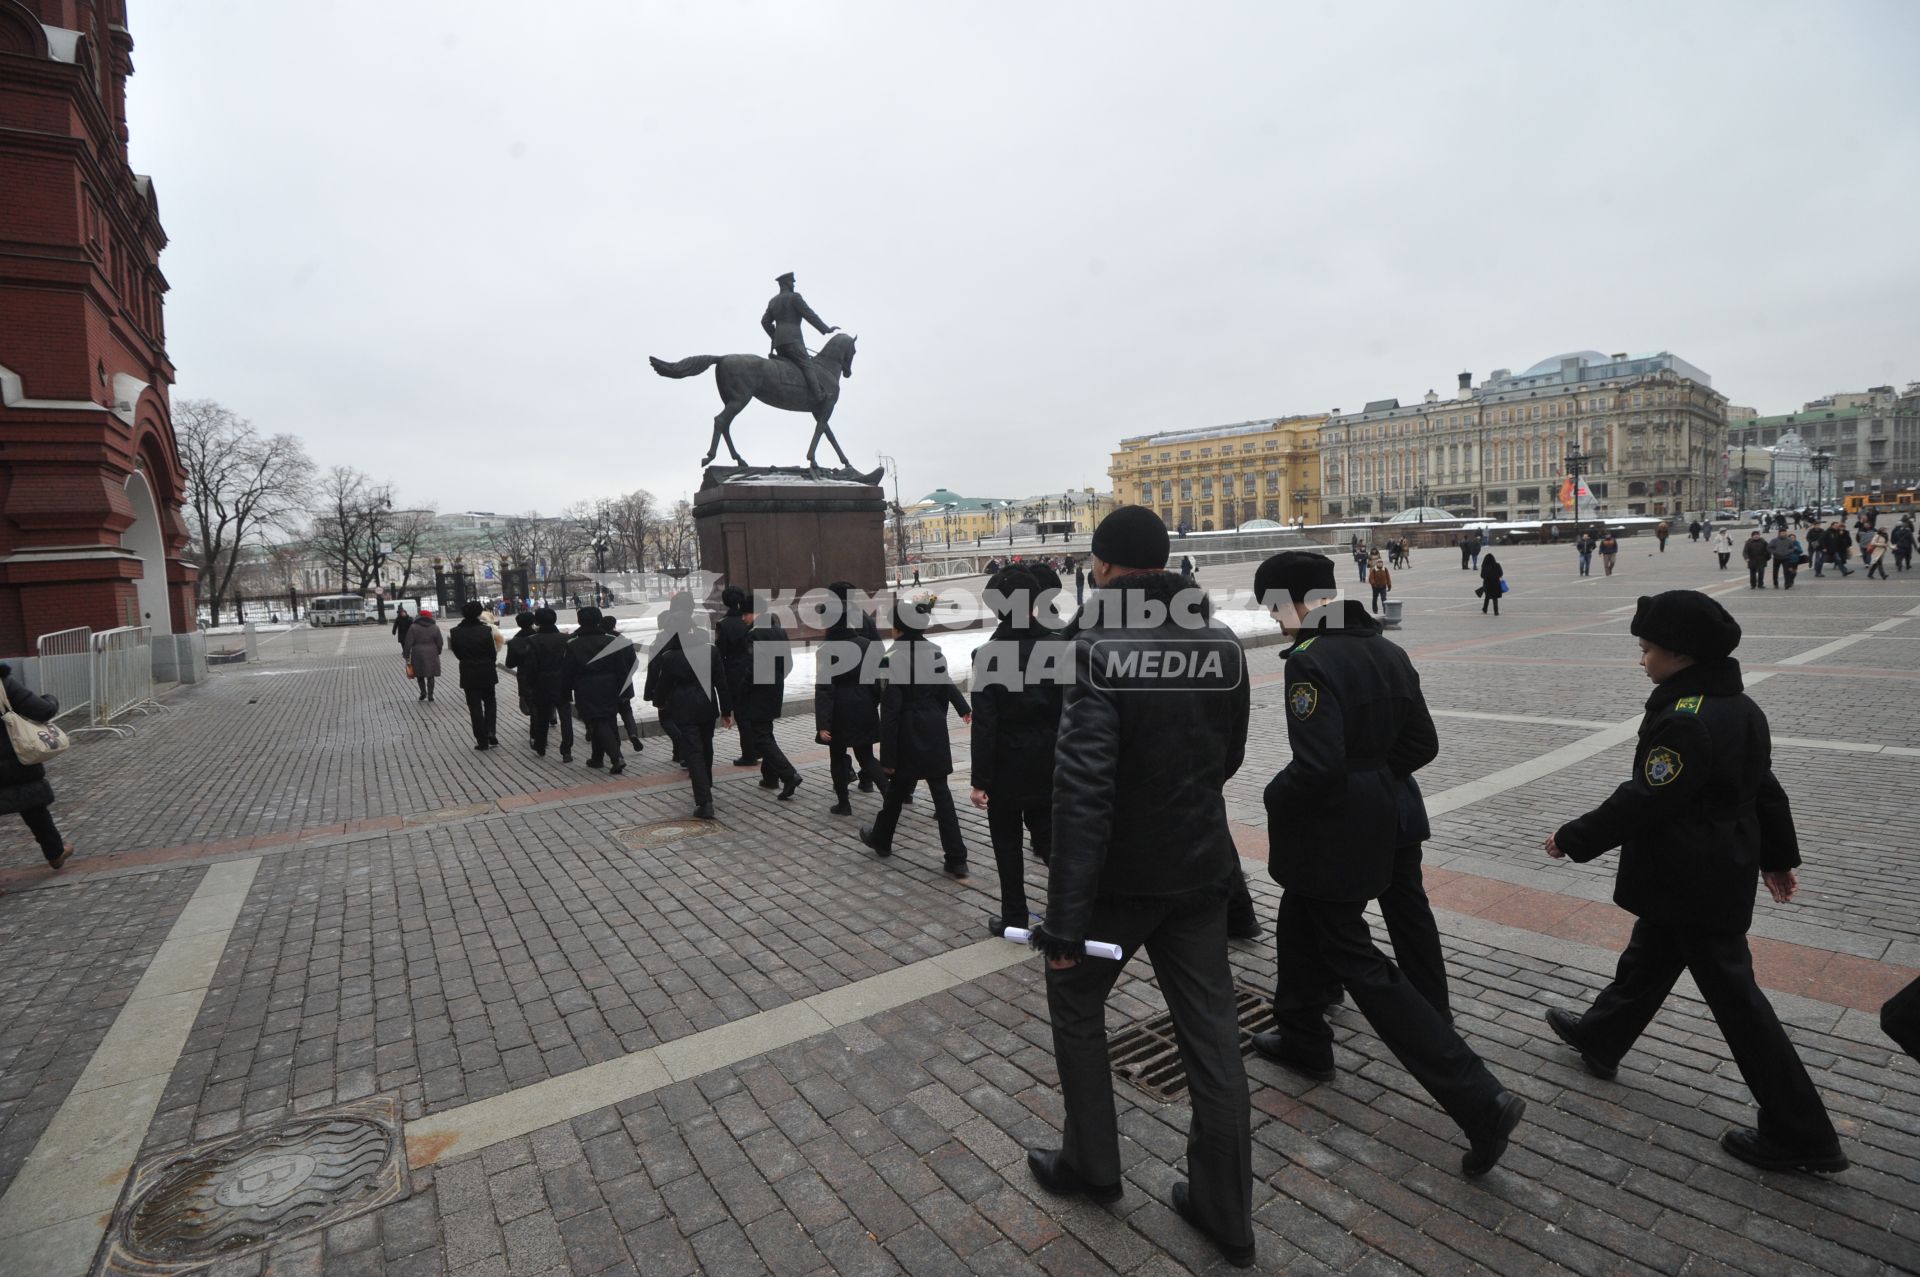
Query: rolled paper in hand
pixel 1092 948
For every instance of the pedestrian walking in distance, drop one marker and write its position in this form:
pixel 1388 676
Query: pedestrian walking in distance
pixel 599 665
pixel 686 680
pixel 914 745
pixel 1491 577
pixel 424 645
pixel 23 786
pixel 548 659
pixel 1381 580
pixel 1723 547
pixel 1143 858
pixel 1337 816
pixel 1700 819
pixel 1756 554
pixel 472 644
pixel 763 700
pixel 846 706
pixel 1017 692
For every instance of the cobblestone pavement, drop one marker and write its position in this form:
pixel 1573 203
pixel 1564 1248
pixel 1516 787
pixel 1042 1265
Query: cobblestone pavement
pixel 625 1042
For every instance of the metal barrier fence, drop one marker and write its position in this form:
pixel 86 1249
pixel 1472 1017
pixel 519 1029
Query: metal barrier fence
pixel 66 672
pixel 122 675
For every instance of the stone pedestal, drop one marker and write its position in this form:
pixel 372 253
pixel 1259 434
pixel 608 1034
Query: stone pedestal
pixel 790 533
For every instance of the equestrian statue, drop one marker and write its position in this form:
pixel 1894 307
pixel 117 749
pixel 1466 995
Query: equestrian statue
pixel 790 379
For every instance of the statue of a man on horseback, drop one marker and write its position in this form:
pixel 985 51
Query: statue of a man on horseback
pixel 791 380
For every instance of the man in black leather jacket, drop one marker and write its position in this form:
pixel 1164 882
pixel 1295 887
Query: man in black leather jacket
pixel 1142 855
pixel 1699 821
pixel 1359 728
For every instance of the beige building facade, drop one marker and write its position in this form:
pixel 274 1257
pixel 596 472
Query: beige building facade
pixel 1652 427
pixel 1220 477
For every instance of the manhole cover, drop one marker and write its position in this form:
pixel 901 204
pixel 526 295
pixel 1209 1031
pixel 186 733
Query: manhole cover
pixel 1148 1056
pixel 662 832
pixel 186 1209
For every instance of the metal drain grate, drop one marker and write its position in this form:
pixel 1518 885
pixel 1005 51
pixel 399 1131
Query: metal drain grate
pixel 1148 1056
pixel 662 832
pixel 233 1196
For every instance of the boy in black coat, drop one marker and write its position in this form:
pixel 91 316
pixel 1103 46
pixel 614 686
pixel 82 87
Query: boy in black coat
pixel 1699 821
pixel 761 700
pixel 846 707
pixel 472 644
pixel 685 679
pixel 599 666
pixel 913 735
pixel 547 659
pixel 519 659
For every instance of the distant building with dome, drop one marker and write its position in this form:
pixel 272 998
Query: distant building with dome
pixel 1652 428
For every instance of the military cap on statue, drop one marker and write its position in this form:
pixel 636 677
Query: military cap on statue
pixel 784 279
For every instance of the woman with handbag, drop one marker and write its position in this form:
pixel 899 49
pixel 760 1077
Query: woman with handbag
pixel 23 786
pixel 1491 582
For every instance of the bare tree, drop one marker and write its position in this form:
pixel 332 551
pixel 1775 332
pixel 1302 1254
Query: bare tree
pixel 351 526
pixel 673 538
pixel 411 537
pixel 239 484
pixel 633 518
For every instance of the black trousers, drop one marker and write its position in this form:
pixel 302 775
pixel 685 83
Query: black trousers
pixel 696 743
pixel 1900 1017
pixel 1790 1109
pixel 1757 576
pixel 841 760
pixel 545 711
pixel 627 725
pixel 672 729
pixel 481 708
pixel 45 832
pixel 774 764
pixel 1009 822
pixel 749 743
pixel 1332 935
pixel 1779 566
pixel 1411 930
pixel 603 739
pixel 1724 558
pixel 1187 945
pixel 899 788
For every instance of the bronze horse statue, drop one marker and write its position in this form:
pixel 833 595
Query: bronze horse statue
pixel 775 382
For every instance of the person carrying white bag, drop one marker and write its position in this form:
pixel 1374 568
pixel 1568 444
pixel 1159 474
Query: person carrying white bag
pixel 30 739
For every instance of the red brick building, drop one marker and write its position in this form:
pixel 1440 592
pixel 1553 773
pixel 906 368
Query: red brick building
pixel 91 488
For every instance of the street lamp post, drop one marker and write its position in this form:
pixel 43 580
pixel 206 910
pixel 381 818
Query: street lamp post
pixel 1577 465
pixel 1820 460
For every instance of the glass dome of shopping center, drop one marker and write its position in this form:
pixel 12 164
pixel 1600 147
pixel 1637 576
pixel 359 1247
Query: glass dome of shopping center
pixel 1423 514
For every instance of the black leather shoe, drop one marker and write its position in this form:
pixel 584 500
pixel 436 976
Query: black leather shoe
pixel 565 757
pixel 633 738
pixel 866 787
pixel 1566 1026
pixel 786 790
pixel 1489 1148
pixel 1273 1047
pixel 480 744
pixel 841 808
pixel 744 761
pixel 1237 1256
pixel 1755 1149
pixel 703 812
pixel 595 763
pixel 1253 932
pixel 616 769
pixel 768 782
pixel 866 836
pixel 1051 1172
pixel 955 868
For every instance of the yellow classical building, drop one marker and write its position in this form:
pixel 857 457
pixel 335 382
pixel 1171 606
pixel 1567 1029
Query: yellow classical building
pixel 1223 477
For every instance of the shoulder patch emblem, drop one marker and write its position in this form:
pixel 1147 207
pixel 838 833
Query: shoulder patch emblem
pixel 1303 645
pixel 1689 704
pixel 1662 767
pixel 1302 700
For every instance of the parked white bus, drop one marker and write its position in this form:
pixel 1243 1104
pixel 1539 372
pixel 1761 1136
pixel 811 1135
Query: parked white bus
pixel 336 609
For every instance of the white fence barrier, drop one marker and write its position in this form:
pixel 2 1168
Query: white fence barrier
pixel 122 675
pixel 66 672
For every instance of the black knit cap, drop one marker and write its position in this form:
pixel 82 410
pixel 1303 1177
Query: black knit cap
pixel 1132 537
pixel 1298 572
pixel 472 609
pixel 1687 622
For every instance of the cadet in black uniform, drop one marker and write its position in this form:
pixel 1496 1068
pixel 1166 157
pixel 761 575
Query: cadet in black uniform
pixel 1701 818
pixel 1151 729
pixel 1359 729
pixel 1900 1019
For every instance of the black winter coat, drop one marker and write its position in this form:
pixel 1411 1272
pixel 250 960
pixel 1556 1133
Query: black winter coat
pixel 23 786
pixel 1138 808
pixel 471 643
pixel 598 668
pixel 847 703
pixel 681 691
pixel 1756 552
pixel 1016 713
pixel 519 659
pixel 546 663
pixel 1490 574
pixel 736 652
pixel 913 711
pixel 1702 814
pixel 769 661
pixel 1358 725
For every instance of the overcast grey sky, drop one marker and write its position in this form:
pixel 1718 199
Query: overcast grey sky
pixel 439 240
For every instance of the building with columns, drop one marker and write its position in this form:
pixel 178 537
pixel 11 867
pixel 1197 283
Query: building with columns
pixel 1652 426
pixel 1872 436
pixel 91 487
pixel 1219 477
